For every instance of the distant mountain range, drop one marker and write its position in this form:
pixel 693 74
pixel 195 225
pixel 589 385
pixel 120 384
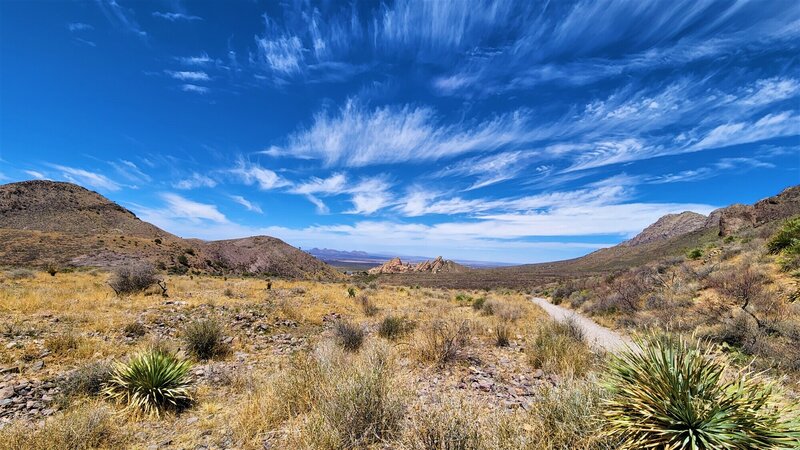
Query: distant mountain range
pixel 361 259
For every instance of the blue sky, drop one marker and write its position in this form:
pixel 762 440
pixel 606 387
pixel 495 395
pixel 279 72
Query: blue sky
pixel 483 130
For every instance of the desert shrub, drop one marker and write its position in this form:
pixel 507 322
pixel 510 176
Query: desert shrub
pixel 203 339
pixel 445 425
pixel 348 335
pixel 367 307
pixel 695 253
pixel 503 310
pixel 134 329
pixel 562 292
pixel 568 416
pixel 578 298
pixel 442 341
pixel 228 292
pixel 394 327
pixel 359 402
pixel 20 273
pixel 786 238
pixel 63 343
pixel 87 427
pixel 502 335
pixel 52 270
pixel 463 298
pixel 351 292
pixel 560 347
pixel 477 304
pixel 133 278
pixel 183 260
pixel 151 382
pixel 672 394
pixel 88 379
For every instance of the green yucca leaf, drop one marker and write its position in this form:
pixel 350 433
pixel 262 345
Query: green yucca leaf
pixel 151 382
pixel 672 395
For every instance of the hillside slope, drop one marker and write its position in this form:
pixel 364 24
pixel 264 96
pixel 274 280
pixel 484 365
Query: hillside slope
pixel 671 235
pixel 47 222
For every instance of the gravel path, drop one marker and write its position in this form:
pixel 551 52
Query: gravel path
pixel 597 335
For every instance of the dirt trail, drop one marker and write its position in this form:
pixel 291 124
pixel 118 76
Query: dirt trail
pixel 597 335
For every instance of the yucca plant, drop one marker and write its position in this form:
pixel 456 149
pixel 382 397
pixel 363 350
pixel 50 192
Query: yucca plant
pixel 670 394
pixel 151 382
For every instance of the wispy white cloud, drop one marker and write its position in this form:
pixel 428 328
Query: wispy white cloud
pixel 367 195
pixel 176 17
pixel 188 209
pixel 79 26
pixel 196 180
pixel 769 126
pixel 250 206
pixel 87 178
pixel 253 174
pixel 771 90
pixel 130 171
pixel 194 88
pixel 358 136
pixel 121 17
pixel 186 75
pixel 36 174
pixel 199 60
pixel 490 169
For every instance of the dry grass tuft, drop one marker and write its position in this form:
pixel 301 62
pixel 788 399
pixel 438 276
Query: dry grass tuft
pixel 560 347
pixel 87 427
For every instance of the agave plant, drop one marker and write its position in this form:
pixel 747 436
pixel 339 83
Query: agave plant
pixel 673 395
pixel 151 382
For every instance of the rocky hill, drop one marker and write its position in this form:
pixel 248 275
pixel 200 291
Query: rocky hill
pixel 47 222
pixel 668 227
pixel 438 265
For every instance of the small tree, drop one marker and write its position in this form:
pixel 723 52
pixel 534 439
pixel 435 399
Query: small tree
pixel 135 278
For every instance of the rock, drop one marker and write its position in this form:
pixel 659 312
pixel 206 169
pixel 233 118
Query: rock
pixel 6 392
pixel 396 265
pixel 191 420
pixel 538 373
pixel 38 365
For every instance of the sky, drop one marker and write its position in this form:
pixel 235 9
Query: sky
pixel 482 130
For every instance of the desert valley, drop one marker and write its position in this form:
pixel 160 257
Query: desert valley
pixel 260 345
pixel 400 225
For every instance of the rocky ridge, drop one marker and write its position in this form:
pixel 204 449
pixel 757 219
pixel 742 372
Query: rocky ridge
pixel 438 265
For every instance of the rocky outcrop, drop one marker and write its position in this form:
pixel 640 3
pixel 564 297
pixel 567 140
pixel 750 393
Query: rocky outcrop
pixel 668 227
pixel 738 217
pixel 438 265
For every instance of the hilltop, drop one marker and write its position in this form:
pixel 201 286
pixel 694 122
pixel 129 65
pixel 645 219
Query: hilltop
pixel 48 222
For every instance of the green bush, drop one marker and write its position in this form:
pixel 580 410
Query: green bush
pixel 151 382
pixel 787 237
pixel 478 303
pixel 393 327
pixel 695 253
pixel 203 339
pixel 674 395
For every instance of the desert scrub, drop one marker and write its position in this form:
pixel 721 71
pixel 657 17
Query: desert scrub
pixel 348 400
pixel 134 329
pixel 87 427
pixel 348 335
pixel 367 306
pixel 673 394
pixel 446 424
pixel 560 347
pixel 568 416
pixel 442 341
pixel 151 382
pixel 133 278
pixel 203 339
pixel 502 335
pixel 395 327
pixel 62 344
pixel 88 379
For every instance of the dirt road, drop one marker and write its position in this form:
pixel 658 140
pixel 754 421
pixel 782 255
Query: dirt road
pixel 597 335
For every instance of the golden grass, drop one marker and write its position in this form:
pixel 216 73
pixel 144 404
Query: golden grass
pixel 270 392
